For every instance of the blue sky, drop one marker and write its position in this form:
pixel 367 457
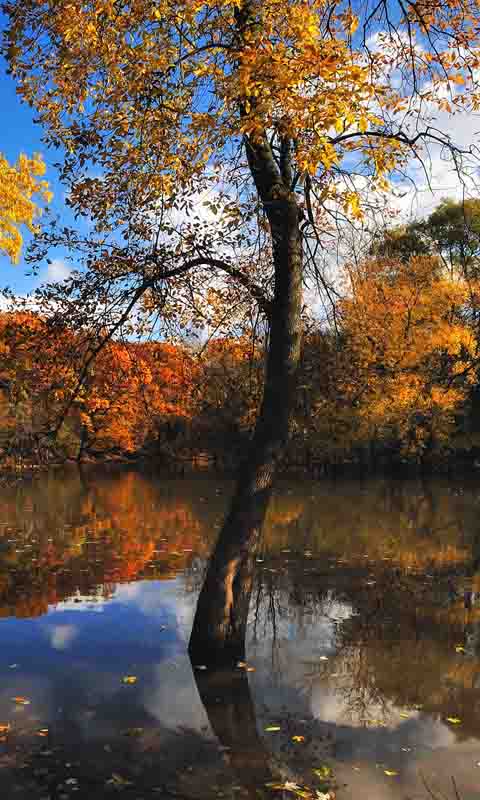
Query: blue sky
pixel 19 134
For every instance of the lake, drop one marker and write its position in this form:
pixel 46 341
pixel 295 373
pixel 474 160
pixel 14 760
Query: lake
pixel 363 653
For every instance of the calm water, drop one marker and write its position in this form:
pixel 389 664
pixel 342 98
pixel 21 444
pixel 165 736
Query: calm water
pixel 363 651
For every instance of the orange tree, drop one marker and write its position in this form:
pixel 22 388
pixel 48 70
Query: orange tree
pixel 271 114
pixel 37 373
pixel 136 392
pixel 130 394
pixel 412 353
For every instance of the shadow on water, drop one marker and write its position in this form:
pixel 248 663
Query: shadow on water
pixel 363 648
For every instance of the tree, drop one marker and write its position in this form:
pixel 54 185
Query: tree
pixel 451 231
pixel 131 392
pixel 18 186
pixel 281 112
pixel 412 353
pixel 452 234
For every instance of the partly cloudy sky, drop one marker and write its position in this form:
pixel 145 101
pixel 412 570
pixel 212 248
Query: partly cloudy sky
pixel 415 198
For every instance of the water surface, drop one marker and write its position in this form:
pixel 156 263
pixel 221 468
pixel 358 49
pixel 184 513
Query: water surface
pixel 363 653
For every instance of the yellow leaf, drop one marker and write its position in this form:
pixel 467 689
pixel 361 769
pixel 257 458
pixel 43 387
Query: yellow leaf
pixel 390 772
pixel 298 738
pixel 117 780
pixel 454 720
pixel 272 728
pixel 353 24
pixel 21 701
pixel 129 679
pixel 133 732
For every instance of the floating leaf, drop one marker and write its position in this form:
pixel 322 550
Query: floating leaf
pixel 21 701
pixel 298 738
pixel 404 715
pixel 390 772
pixel 454 720
pixel 289 786
pixel 133 732
pixel 129 679
pixel 117 780
pixel 276 786
pixel 323 772
pixel 459 648
pixel 42 732
pixel 4 728
pixel 273 728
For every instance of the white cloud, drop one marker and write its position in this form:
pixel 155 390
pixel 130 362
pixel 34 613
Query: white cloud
pixel 57 272
pixel 62 636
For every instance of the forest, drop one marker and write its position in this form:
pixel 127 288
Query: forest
pixel 389 377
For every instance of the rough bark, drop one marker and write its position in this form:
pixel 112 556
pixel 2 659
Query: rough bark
pixel 218 634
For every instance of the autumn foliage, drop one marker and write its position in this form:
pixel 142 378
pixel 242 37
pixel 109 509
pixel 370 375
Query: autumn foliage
pixel 395 381
pixel 132 392
pixel 21 186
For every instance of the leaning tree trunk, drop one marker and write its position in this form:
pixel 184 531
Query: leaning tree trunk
pixel 218 634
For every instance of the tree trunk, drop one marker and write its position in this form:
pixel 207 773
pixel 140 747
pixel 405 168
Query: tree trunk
pixel 218 634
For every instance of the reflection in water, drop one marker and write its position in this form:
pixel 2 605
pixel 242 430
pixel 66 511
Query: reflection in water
pixel 364 638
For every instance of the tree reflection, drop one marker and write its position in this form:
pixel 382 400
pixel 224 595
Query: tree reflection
pixel 90 537
pixel 230 709
pixel 374 575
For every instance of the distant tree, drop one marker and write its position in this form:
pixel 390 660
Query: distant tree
pixel 451 231
pixel 412 354
pixel 401 242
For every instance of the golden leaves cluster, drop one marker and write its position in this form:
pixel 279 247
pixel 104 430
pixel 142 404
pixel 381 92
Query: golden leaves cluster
pixel 20 185
pixel 408 339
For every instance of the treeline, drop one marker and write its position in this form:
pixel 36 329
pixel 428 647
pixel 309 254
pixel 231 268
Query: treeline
pixel 394 380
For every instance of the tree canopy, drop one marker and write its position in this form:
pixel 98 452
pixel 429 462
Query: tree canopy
pixel 160 104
